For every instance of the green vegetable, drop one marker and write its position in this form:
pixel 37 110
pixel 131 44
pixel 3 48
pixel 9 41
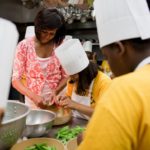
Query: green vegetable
pixel 41 146
pixel 65 134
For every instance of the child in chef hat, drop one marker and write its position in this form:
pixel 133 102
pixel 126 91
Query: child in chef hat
pixel 86 82
pixel 87 45
pixel 121 120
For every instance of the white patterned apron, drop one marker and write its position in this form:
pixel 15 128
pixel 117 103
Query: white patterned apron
pixel 85 100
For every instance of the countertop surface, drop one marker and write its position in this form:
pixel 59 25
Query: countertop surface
pixel 72 123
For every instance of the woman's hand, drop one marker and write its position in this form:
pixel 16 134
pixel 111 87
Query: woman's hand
pixel 66 102
pixel 49 99
pixel 38 100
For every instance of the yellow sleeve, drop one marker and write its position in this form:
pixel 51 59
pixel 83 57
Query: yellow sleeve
pixel 69 89
pixel 101 84
pixel 113 125
pixel 23 80
pixel 105 66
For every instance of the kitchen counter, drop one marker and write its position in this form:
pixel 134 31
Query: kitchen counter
pixel 72 123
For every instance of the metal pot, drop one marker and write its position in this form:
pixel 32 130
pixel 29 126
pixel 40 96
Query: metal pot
pixel 38 123
pixel 12 124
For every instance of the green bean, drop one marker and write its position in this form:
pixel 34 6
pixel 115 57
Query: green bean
pixel 65 134
pixel 41 146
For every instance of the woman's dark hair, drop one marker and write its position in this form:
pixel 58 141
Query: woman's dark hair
pixel 50 19
pixel 86 77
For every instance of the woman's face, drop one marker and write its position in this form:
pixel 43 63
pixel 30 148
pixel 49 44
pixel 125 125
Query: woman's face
pixel 47 35
pixel 75 77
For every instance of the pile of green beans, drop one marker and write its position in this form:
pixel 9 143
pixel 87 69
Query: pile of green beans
pixel 42 146
pixel 65 134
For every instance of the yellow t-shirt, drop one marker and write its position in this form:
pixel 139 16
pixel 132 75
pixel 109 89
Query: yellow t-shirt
pixel 121 120
pixel 105 66
pixel 100 85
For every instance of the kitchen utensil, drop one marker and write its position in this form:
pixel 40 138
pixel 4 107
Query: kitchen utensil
pixel 12 124
pixel 83 19
pixel 49 141
pixel 38 123
pixel 70 21
pixel 78 16
pixel 62 116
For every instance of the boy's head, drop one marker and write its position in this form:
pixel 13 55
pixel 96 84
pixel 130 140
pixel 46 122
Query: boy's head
pixel 124 32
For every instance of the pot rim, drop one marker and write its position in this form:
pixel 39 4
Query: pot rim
pixel 19 117
pixel 37 124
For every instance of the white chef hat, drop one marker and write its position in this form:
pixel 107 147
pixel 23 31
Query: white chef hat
pixel 67 37
pixel 8 42
pixel 29 31
pixel 121 19
pixel 72 56
pixel 87 45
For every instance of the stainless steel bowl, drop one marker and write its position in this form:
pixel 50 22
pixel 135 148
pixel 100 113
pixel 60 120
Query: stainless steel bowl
pixel 12 124
pixel 38 123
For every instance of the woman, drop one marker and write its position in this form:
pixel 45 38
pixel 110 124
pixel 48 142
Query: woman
pixel 35 59
pixel 86 83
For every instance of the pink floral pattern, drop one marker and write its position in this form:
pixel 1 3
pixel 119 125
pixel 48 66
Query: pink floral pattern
pixel 26 63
